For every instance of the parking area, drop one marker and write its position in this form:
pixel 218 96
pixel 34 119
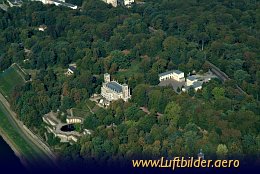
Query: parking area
pixel 173 83
pixel 206 77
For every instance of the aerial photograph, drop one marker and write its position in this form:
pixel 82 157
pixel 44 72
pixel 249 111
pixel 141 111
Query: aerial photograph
pixel 129 86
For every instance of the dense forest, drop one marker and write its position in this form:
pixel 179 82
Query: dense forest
pixel 134 45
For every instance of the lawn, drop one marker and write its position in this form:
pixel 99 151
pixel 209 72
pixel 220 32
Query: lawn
pixel 19 70
pixel 133 69
pixel 9 79
pixel 83 109
pixel 80 112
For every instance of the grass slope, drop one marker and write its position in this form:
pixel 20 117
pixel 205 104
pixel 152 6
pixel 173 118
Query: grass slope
pixel 127 73
pixel 9 79
pixel 15 137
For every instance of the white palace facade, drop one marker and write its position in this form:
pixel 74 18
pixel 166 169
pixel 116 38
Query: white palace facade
pixel 115 3
pixel 174 74
pixel 112 90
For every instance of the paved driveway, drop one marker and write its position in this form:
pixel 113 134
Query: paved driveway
pixel 173 83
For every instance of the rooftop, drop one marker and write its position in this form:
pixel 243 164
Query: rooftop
pixel 16 2
pixel 197 84
pixel 191 78
pixel 72 68
pixel 169 72
pixel 177 72
pixel 65 4
pixel 43 26
pixel 114 86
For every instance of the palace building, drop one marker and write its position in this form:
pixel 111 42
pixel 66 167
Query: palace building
pixel 174 74
pixel 191 80
pixel 114 3
pixel 58 3
pixel 112 90
pixel 128 2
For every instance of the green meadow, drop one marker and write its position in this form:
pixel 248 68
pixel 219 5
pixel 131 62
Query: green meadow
pixel 9 79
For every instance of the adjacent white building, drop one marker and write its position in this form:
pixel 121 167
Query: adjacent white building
pixel 73 120
pixel 42 28
pixel 112 90
pixel 63 3
pixel 191 80
pixel 174 74
pixel 128 3
pixel 87 132
pixel 58 3
pixel 46 1
pixel 71 69
pixel 114 3
pixel 197 86
pixel 15 3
